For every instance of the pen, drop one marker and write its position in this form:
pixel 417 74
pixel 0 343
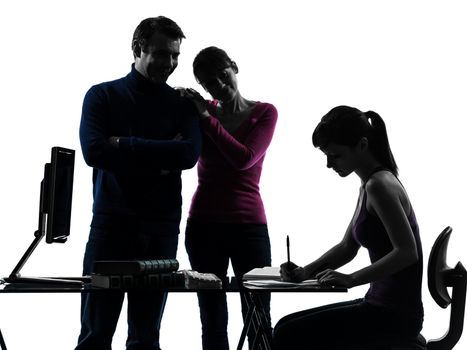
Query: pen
pixel 288 250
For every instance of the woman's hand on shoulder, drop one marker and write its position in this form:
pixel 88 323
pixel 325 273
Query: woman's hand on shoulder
pixel 200 103
pixel 291 272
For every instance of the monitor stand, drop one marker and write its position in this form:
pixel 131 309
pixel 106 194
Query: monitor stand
pixel 15 276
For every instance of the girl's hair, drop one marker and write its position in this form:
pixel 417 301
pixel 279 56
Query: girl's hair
pixel 344 125
pixel 210 59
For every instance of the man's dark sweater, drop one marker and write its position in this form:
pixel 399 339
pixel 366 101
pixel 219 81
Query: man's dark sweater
pixel 141 177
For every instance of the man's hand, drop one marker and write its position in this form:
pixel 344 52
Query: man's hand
pixel 114 141
pixel 177 137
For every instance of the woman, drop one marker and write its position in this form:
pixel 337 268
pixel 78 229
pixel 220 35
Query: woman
pixel 384 223
pixel 227 220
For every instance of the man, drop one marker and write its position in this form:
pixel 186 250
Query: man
pixel 138 134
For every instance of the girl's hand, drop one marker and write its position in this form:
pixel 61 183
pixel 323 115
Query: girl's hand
pixel 200 103
pixel 334 278
pixel 291 272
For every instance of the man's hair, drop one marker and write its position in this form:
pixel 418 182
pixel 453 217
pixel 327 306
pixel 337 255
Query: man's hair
pixel 148 27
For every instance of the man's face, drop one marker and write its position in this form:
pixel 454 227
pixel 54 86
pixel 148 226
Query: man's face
pixel 159 59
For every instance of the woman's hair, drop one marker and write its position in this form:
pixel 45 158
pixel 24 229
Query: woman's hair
pixel 344 125
pixel 210 59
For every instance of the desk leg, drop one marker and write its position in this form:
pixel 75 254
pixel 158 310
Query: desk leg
pixel 263 331
pixel 2 342
pixel 247 322
pixel 256 318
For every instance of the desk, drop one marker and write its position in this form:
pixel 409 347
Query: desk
pixel 255 318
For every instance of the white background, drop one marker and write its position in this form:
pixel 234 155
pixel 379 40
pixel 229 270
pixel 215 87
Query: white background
pixel 404 59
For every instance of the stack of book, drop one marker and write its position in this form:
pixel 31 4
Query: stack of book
pixel 160 273
pixel 198 280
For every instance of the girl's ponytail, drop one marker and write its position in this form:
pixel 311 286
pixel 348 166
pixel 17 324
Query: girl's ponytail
pixel 379 142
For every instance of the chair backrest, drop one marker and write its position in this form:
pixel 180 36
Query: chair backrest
pixel 437 268
pixel 440 277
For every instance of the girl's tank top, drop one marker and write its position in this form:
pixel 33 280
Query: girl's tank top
pixel 401 291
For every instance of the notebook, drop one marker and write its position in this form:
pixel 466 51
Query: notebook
pixel 263 273
pixel 270 277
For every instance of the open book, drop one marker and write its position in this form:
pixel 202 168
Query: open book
pixel 270 277
pixel 263 273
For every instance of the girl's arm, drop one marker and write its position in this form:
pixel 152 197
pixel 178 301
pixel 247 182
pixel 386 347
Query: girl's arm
pixel 387 205
pixel 334 258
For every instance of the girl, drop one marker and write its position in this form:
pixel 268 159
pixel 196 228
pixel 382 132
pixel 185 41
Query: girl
pixel 385 224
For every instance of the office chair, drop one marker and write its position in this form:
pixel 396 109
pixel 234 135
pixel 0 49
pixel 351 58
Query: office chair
pixel 440 277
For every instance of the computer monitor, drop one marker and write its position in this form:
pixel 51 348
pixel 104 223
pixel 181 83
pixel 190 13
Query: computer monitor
pixel 54 210
pixel 58 193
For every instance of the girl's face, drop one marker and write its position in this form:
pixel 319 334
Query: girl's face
pixel 221 84
pixel 342 159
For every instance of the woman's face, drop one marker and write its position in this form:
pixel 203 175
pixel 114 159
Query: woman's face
pixel 220 83
pixel 342 159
